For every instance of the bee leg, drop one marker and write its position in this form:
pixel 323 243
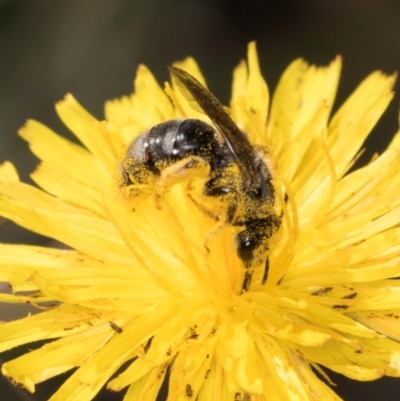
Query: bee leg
pixel 248 275
pixel 247 244
pixel 266 270
pixel 214 216
pixel 212 234
pixel 231 213
pixel 215 186
pixel 228 220
pixel 183 170
pixel 203 209
pixel 125 177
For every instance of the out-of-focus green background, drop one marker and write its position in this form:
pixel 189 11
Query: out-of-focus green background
pixel 92 48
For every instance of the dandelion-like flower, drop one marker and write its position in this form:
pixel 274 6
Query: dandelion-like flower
pixel 154 282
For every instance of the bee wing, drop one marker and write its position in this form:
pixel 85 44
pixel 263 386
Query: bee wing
pixel 186 92
pixel 236 140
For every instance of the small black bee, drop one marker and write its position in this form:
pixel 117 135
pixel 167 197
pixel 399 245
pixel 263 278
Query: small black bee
pixel 239 171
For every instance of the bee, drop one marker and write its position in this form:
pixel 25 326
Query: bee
pixel 239 173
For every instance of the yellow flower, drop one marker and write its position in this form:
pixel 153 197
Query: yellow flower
pixel 154 282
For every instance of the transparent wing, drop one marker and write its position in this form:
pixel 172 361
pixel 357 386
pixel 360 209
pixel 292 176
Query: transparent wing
pixel 236 140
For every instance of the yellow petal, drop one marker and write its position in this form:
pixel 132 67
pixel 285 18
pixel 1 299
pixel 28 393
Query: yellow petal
pixel 304 96
pixel 56 357
pixel 8 173
pixel 354 120
pixel 97 370
pixel 92 133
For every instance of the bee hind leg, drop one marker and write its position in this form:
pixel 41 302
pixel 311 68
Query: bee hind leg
pixel 204 209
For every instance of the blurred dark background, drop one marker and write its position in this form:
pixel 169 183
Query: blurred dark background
pixel 92 48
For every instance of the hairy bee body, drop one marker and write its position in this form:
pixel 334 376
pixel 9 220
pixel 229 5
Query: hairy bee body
pixel 171 141
pixel 238 173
